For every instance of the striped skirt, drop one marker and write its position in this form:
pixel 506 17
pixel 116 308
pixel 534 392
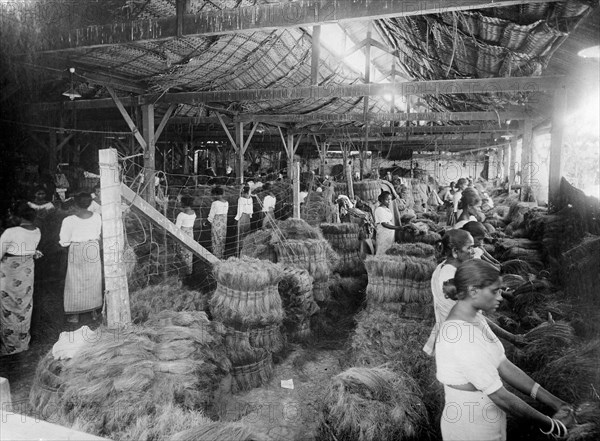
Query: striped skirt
pixel 186 255
pixel 243 229
pixel 219 234
pixel 16 303
pixel 83 285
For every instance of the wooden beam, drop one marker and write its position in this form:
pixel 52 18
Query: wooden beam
pixel 164 121
pixel 231 140
pixel 247 142
pixel 151 214
pixel 149 152
pixel 315 55
pixel 383 117
pixel 127 118
pixel 118 311
pixel 555 170
pixel 413 130
pixel 239 140
pixel 64 142
pixel 261 17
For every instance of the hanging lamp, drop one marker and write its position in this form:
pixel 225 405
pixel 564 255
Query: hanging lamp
pixel 72 93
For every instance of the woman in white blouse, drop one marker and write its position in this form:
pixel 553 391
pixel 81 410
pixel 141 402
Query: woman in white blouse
pixel 218 220
pixel 472 366
pixel 80 232
pixel 245 210
pixel 268 208
pixel 17 251
pixel 384 223
pixel 185 221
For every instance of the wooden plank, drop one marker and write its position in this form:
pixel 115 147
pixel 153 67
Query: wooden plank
pixel 164 121
pixel 296 190
pixel 261 17
pixel 526 159
pixel 555 170
pixel 231 140
pixel 127 118
pixel 118 311
pixel 151 214
pixel 18 427
pixel 64 142
pixel 149 152
pixel 315 55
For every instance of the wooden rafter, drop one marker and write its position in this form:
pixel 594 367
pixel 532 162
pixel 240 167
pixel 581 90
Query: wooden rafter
pixel 413 130
pixel 127 118
pixel 260 17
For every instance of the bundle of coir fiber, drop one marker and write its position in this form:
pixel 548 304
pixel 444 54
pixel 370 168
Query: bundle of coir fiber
pixel 412 233
pixel 562 231
pixel 519 268
pixel 399 279
pixel 247 293
pixel 574 376
pixel 372 404
pixel 530 294
pixel 367 190
pixel 296 229
pixel 175 359
pixel 412 249
pixel 314 255
pixel 546 342
pixel 217 431
pixel 318 207
pixel 344 238
pixel 258 245
pixel 253 372
pixel 533 257
pixel 587 415
pixel 534 223
pixel 44 394
pixel 241 346
pixel 505 244
pixel 296 291
pixel 167 295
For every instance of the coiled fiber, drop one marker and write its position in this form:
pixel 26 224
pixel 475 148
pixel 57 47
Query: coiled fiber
pixel 254 374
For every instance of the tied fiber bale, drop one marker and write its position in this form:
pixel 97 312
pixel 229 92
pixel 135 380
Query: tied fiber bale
pixel 369 404
pixel 530 294
pixel 351 264
pixel 546 342
pixel 309 254
pixel 367 190
pixel 575 375
pixel 587 415
pixel 517 267
pixel 296 292
pixel 44 395
pixel 258 245
pixel 297 229
pixel 399 279
pixel 321 291
pixel 167 295
pixel 301 332
pixel 534 224
pixel 532 257
pixel 512 281
pixel 252 375
pixel 319 207
pixel 241 346
pixel 411 249
pixel 217 431
pixel 342 237
pixel 247 274
pixel 506 244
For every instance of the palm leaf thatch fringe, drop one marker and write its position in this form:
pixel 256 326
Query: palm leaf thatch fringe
pixel 168 295
pixel 251 375
pixel 258 245
pixel 411 249
pixel 369 404
pixel 247 308
pixel 216 431
pixel 127 375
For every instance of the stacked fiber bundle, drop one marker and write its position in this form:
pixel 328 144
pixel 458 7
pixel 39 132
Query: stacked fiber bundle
pixel 121 377
pixel 319 207
pixel 367 190
pixel 296 291
pixel 421 250
pixel 372 404
pixel 344 238
pixel 167 295
pixel 258 245
pixel 394 279
pixel 247 302
pixel 546 342
pixel 420 192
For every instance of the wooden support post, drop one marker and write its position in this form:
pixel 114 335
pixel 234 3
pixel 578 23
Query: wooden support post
pixel 118 313
pixel 52 151
pixel 149 152
pixel 506 160
pixel 513 163
pixel 186 159
pixel 315 55
pixel 5 397
pixel 526 156
pixel 290 155
pixel 556 146
pixel 239 141
pixel 365 144
pixel 349 181
pixel 296 189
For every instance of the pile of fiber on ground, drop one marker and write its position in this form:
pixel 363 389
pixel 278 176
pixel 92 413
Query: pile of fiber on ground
pixel 399 279
pixel 258 245
pixel 372 404
pixel 216 431
pixel 417 232
pixel 367 190
pixel 122 376
pixel 296 291
pixel 546 342
pixel 248 303
pixel 411 249
pixel 314 255
pixel 296 229
pixel 344 238
pixel 167 295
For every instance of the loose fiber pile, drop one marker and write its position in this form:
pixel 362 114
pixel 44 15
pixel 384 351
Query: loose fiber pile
pixel 411 249
pixel 252 373
pixel 547 342
pixel 399 279
pixel 167 295
pixel 216 432
pixel 318 208
pixel 175 359
pixel 296 291
pixel 297 229
pixel 372 404
pixel 344 238
pixel 517 267
pixel 258 245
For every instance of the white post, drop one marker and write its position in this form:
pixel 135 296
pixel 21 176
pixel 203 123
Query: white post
pixel 5 398
pixel 296 189
pixel 118 312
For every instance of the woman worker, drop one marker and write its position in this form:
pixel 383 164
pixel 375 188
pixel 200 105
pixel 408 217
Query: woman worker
pixel 185 221
pixel 461 184
pixel 17 251
pixel 458 247
pixel 80 232
pixel 479 232
pixel 218 220
pixel 268 208
pixel 471 365
pixel 245 210
pixel 384 223
pixel 469 211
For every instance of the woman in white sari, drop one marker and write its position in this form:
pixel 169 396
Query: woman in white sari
pixel 384 223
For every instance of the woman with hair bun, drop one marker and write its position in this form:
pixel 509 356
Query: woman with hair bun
pixel 472 366
pixel 384 223
pixel 218 221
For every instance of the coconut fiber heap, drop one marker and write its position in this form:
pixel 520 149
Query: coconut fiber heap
pixel 372 404
pixel 295 289
pixel 344 238
pixel 422 250
pixel 168 295
pixel 121 377
pixel 247 302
